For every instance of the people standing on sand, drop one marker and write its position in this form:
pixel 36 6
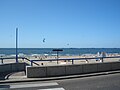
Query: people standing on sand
pixel 98 55
pixel 103 54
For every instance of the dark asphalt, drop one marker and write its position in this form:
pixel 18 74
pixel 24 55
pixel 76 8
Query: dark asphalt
pixel 103 82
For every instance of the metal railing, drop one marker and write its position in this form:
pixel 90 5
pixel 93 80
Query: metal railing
pixel 57 60
pixel 73 59
pixel 8 58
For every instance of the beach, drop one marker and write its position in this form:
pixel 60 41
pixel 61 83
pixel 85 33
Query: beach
pixel 69 62
pixel 46 60
pixel 44 55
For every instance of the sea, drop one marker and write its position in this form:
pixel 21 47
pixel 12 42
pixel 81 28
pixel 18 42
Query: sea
pixel 49 51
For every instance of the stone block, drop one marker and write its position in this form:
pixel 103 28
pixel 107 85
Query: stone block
pixel 115 66
pixel 35 72
pixel 74 69
pixel 89 68
pixel 104 67
pixel 56 70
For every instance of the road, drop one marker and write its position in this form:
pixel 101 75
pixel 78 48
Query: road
pixel 103 82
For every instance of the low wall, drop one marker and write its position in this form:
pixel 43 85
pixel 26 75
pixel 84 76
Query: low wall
pixel 48 71
pixel 12 67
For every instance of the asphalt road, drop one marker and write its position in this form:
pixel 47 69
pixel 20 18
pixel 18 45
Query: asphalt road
pixel 103 82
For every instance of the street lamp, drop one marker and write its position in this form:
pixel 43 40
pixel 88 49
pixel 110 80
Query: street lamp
pixel 16 45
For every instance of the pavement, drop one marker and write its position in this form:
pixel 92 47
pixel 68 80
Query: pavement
pixel 21 77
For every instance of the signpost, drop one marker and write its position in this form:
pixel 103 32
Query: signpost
pixel 57 50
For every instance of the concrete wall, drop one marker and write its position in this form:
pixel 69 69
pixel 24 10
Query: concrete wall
pixel 56 71
pixel 5 68
pixel 115 66
pixel 48 71
pixel 89 68
pixel 104 67
pixel 74 69
pixel 36 71
pixel 12 67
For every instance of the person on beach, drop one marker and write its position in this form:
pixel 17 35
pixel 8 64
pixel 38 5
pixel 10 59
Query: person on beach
pixel 98 55
pixel 103 54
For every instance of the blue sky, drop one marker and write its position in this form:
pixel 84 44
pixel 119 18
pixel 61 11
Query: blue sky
pixel 63 23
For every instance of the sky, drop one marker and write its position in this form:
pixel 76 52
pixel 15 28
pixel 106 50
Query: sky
pixel 60 23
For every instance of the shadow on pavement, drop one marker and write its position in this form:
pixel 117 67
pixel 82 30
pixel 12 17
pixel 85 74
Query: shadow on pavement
pixel 3 75
pixel 4 86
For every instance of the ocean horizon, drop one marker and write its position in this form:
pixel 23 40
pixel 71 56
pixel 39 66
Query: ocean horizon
pixel 66 51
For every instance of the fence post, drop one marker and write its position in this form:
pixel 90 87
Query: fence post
pixel 31 63
pixel 72 61
pixel 102 59
pixel 2 60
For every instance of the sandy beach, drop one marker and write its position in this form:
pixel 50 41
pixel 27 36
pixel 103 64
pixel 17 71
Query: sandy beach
pixel 69 62
pixel 62 62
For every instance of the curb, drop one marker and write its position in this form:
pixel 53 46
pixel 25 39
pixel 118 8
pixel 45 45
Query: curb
pixel 58 78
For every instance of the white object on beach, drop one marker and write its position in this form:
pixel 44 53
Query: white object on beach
pixel 87 61
pixel 46 54
pixel 62 63
pixel 98 54
pixel 21 55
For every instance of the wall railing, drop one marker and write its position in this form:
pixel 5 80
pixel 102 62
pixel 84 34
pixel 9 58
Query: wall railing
pixel 73 59
pixel 57 60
